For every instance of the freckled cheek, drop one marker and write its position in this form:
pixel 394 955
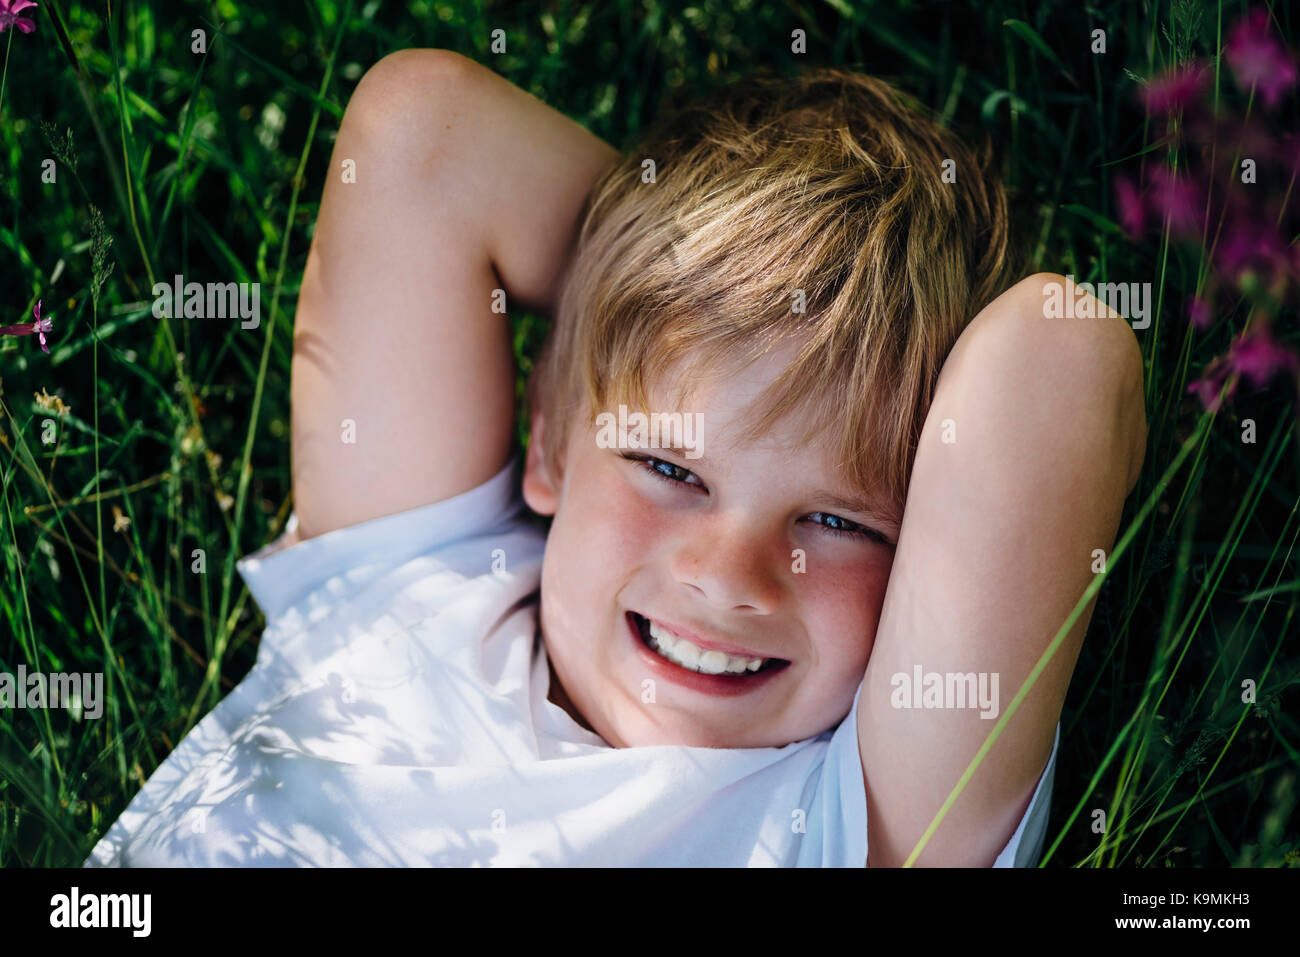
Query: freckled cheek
pixel 841 608
pixel 609 530
pixel 633 527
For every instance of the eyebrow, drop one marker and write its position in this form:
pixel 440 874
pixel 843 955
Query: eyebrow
pixel 677 450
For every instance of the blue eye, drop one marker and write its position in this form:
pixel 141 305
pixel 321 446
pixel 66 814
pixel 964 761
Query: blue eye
pixel 666 471
pixel 842 526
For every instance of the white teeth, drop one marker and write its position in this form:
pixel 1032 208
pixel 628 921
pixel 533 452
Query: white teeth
pixel 690 656
pixel 665 640
pixel 686 655
pixel 713 662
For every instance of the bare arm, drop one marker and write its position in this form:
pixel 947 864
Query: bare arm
pixel 463 184
pixel 995 550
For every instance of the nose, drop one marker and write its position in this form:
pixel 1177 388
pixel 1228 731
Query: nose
pixel 728 564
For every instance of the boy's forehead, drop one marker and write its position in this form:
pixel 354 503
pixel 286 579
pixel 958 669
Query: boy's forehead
pixel 729 401
pixel 731 385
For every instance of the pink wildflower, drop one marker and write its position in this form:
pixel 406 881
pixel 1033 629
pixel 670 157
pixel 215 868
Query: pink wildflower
pixel 40 326
pixel 1258 59
pixel 1174 90
pixel 1252 246
pixel 1258 357
pixel 1132 212
pixel 1255 356
pixel 9 15
pixel 1200 313
pixel 1207 387
pixel 1177 198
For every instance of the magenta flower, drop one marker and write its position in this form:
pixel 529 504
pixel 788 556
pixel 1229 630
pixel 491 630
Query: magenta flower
pixel 1207 387
pixel 1255 356
pixel 1200 313
pixel 9 15
pixel 1132 212
pixel 1179 199
pixel 1174 90
pixel 1258 357
pixel 1237 194
pixel 1249 245
pixel 40 326
pixel 1258 59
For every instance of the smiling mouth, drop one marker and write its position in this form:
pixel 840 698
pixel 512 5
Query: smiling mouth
pixel 687 655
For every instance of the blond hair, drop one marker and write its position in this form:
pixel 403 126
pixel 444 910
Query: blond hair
pixel 828 183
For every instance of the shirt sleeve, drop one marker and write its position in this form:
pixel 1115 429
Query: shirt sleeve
pixel 846 811
pixel 1026 845
pixel 289 569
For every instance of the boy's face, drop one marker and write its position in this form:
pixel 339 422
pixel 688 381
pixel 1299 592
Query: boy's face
pixel 749 547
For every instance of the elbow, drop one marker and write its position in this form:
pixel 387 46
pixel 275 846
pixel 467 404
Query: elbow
pixel 1086 373
pixel 412 97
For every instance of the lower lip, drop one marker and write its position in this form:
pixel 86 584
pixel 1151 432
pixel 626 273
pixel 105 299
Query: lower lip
pixel 722 686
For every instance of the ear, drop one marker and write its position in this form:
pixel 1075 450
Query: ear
pixel 541 489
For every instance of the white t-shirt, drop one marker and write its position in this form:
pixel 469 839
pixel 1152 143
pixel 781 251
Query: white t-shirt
pixel 398 715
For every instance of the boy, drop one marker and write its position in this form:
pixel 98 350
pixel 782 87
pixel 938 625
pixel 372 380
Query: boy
pixel 699 663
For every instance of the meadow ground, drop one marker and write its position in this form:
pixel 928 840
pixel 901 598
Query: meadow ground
pixel 128 156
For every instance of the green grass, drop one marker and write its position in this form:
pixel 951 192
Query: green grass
pixel 211 165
